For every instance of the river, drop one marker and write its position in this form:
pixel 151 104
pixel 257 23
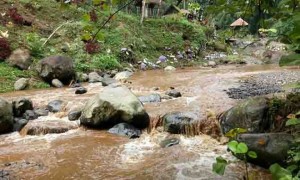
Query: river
pixel 94 154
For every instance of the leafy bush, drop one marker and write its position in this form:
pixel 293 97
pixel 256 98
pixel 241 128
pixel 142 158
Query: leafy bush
pixel 5 50
pixel 35 44
pixel 105 62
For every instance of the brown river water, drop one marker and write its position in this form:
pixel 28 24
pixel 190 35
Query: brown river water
pixel 94 154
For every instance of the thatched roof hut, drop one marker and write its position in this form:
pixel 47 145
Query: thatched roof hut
pixel 239 22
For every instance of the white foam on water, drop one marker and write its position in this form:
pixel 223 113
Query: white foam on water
pixel 135 151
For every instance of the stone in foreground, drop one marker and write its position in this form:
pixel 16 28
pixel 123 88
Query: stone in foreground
pixel 41 127
pixel 124 129
pixel 6 116
pixel 112 106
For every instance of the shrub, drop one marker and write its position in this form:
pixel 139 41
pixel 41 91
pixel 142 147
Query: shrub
pixel 15 16
pixel 5 49
pixel 105 62
pixel 92 47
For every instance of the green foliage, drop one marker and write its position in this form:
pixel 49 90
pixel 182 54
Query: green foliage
pixel 105 61
pixel 35 44
pixel 238 148
pixel 290 60
pixel 220 165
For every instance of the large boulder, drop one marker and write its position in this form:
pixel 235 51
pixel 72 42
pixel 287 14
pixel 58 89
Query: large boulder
pixel 176 122
pixel 112 106
pixel 124 129
pixel 21 105
pixel 269 147
pixel 40 127
pixel 250 114
pixel 95 77
pixel 57 67
pixel 20 58
pixel 6 116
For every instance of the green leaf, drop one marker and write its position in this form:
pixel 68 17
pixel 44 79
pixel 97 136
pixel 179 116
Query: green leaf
pixel 292 122
pixel 232 145
pixel 291 168
pixel 280 173
pixel 252 154
pixel 86 36
pixel 220 165
pixel 233 132
pixel 86 17
pixel 100 36
pixel 97 2
pixel 242 148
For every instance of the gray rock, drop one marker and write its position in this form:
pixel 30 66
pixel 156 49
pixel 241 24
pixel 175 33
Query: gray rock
pixel 123 75
pixel 57 67
pixel 170 68
pixel 108 81
pixel 30 115
pixel 162 58
pixel 176 122
pixel 81 90
pixel 74 115
pixel 270 147
pixel 150 98
pixel 112 106
pixel 173 93
pixel 20 58
pixel 21 84
pixel 212 63
pixel 169 142
pixel 57 83
pixel 95 77
pixel 75 85
pixel 124 129
pixel 250 114
pixel 6 116
pixel 40 127
pixel 19 124
pixel 41 112
pixel 21 105
pixel 55 106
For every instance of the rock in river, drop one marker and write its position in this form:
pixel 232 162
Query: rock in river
pixel 55 106
pixel 125 129
pixel 176 122
pixel 6 116
pixel 112 106
pixel 40 127
pixel 21 84
pixel 173 93
pixel 169 142
pixel 57 67
pixel 269 147
pixel 123 75
pixel 250 114
pixel 21 105
pixel 150 98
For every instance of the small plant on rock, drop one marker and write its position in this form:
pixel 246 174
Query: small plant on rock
pixel 239 149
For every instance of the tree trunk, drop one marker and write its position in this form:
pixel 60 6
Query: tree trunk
pixel 143 11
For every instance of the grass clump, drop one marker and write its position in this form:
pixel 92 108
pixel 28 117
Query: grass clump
pixel 290 60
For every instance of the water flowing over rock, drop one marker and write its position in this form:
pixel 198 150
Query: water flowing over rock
pixel 173 93
pixel 270 147
pixel 74 115
pixel 20 58
pixel 124 129
pixel 19 123
pixel 55 106
pixel 176 122
pixel 40 127
pixel 169 142
pixel 21 84
pixel 6 116
pixel 57 67
pixel 152 98
pixel 123 75
pixel 21 105
pixel 30 115
pixel 250 114
pixel 107 81
pixel 112 106
pixel 81 90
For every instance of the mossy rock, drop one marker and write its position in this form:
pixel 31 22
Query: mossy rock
pixel 290 60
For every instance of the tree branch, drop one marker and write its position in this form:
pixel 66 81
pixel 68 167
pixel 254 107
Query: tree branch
pixel 110 17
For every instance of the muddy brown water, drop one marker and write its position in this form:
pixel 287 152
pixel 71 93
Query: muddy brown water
pixel 92 154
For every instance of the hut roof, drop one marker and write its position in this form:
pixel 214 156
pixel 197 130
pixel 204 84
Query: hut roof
pixel 239 22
